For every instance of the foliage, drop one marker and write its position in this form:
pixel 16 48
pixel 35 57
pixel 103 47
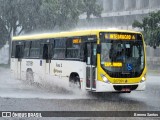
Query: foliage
pixel 151 28
pixel 90 7
pixel 26 16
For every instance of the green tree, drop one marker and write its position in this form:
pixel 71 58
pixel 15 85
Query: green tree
pixel 3 34
pixel 26 16
pixel 150 26
pixel 91 7
pixel 63 14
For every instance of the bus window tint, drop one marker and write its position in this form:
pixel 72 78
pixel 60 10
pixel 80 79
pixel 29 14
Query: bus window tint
pixel 59 49
pixel 35 49
pixel 73 50
pixel 26 49
pixel 19 51
pixel 13 50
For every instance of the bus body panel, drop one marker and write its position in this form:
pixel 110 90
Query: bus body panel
pixel 59 69
pixel 14 69
pixel 63 69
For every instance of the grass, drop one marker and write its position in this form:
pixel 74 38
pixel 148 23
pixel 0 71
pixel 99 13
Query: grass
pixel 5 65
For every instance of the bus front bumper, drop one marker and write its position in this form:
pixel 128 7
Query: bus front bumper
pixel 109 87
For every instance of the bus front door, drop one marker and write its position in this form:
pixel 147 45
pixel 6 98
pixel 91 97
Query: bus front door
pixel 18 56
pixel 91 66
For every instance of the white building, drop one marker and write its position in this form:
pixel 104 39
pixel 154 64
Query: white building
pixel 121 13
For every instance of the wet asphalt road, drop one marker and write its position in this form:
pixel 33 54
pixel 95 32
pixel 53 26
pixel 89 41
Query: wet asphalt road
pixel 16 95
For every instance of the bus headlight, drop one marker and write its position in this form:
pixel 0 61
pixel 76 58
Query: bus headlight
pixel 104 78
pixel 143 78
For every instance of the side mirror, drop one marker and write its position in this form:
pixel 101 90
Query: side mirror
pixel 98 49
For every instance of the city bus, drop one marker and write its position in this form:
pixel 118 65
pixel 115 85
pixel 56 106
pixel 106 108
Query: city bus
pixel 92 60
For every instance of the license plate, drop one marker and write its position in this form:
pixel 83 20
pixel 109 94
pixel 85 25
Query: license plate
pixel 126 89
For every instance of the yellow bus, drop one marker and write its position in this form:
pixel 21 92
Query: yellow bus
pixel 93 60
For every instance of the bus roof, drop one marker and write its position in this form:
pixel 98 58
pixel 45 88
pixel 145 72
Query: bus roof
pixel 68 34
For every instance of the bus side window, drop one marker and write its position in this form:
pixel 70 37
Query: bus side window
pixel 59 48
pixel 13 50
pixel 35 49
pixel 45 52
pixel 73 49
pixel 83 51
pixel 94 54
pixel 17 54
pixel 19 51
pixel 27 49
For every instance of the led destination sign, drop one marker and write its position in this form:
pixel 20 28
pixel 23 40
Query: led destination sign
pixel 76 41
pixel 117 36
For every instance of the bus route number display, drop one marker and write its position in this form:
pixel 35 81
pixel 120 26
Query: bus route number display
pixel 116 36
pixel 76 41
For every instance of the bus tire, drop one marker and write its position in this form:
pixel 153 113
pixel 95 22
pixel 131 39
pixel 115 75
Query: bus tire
pixel 29 76
pixel 74 81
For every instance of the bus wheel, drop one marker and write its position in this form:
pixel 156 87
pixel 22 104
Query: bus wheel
pixel 74 81
pixel 29 76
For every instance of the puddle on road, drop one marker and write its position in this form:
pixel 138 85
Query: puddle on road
pixel 12 88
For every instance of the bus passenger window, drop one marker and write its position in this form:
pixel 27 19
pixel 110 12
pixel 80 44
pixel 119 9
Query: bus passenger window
pixel 94 55
pixel 59 49
pixel 45 52
pixel 19 51
pixel 13 50
pixel 35 49
pixel 73 50
pixel 26 49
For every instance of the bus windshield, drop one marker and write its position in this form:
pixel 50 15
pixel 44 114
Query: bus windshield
pixel 122 58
